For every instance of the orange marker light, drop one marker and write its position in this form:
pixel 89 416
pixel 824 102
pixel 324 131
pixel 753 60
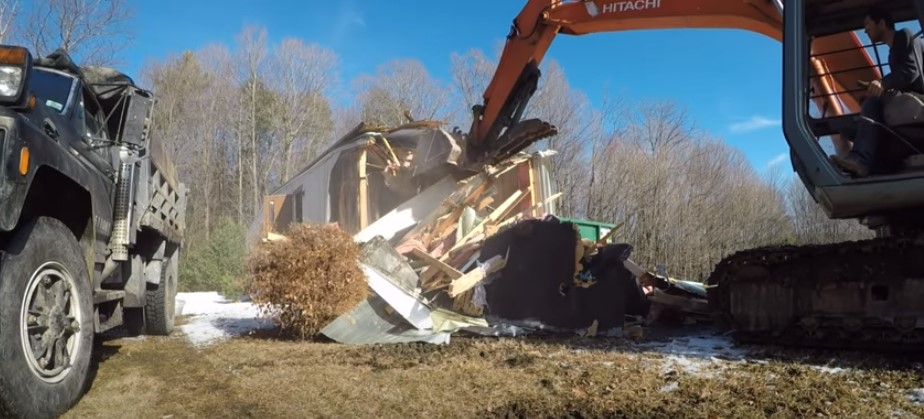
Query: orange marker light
pixel 15 56
pixel 24 161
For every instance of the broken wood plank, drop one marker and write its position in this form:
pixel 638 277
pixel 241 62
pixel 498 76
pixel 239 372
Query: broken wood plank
pixel 448 270
pixel 473 277
pixel 528 212
pixel 484 203
pixel 273 237
pixel 409 213
pixel 363 191
pixel 610 233
pixel 687 304
pixel 492 218
pixel 406 246
pixel 504 209
pixel 465 304
pixel 453 201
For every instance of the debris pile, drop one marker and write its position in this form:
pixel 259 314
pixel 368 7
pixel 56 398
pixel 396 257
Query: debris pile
pixel 307 279
pixel 449 251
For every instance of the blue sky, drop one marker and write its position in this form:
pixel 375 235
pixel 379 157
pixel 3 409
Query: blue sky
pixel 728 80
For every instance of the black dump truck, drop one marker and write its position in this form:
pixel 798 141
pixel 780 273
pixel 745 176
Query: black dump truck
pixel 92 219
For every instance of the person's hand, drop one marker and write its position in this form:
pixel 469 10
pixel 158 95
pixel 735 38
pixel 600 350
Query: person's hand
pixel 874 88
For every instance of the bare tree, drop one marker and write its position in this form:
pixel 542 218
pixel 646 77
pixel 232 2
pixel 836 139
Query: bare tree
pixel 252 54
pixel 9 11
pixel 303 75
pixel 92 31
pixel 812 225
pixel 471 74
pixel 402 87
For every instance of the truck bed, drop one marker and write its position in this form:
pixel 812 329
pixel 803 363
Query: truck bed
pixel 166 211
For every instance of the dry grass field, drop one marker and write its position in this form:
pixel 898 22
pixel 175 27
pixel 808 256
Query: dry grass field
pixel 265 375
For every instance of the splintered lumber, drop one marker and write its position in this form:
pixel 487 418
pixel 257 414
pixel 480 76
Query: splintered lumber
pixel 501 211
pixel 273 237
pixel 363 192
pixel 453 205
pixel 436 263
pixel 528 211
pixel 610 233
pixel 484 203
pixel 464 304
pixel 473 277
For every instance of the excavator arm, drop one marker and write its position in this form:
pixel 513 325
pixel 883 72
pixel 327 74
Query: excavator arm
pixel 497 130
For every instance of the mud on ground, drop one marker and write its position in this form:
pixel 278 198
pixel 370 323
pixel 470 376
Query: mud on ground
pixel 267 375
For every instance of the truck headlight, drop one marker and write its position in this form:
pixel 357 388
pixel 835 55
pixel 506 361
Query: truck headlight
pixel 15 63
pixel 10 80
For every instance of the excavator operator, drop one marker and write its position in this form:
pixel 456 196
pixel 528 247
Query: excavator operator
pixel 905 57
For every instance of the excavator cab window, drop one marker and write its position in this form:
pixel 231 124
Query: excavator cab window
pixel 838 69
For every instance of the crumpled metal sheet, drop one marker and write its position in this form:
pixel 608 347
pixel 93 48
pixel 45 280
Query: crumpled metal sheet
pixel 370 323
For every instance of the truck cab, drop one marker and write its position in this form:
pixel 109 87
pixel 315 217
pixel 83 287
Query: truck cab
pixel 92 219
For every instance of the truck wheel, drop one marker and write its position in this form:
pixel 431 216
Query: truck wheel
pixel 160 301
pixel 46 321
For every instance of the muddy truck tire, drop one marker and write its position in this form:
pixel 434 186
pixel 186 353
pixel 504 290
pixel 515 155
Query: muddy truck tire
pixel 46 321
pixel 160 301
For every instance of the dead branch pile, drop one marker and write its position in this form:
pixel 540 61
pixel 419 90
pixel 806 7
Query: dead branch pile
pixel 308 279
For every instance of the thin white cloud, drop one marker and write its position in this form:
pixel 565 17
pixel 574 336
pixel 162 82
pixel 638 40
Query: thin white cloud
pixel 348 18
pixel 753 124
pixel 780 158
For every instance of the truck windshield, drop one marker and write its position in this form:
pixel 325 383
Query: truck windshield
pixel 51 88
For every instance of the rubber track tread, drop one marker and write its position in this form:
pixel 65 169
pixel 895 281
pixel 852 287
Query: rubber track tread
pixel 806 267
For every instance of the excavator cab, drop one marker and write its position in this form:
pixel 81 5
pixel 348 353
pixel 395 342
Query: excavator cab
pixel 891 198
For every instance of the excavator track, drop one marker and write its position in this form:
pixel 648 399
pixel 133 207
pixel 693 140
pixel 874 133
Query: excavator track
pixel 855 295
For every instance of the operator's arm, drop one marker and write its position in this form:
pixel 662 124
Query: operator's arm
pixel 903 72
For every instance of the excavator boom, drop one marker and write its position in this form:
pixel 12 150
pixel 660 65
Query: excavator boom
pixel 497 130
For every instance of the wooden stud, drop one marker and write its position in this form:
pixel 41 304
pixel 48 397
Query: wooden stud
pixel 363 191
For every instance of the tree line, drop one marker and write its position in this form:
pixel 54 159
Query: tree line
pixel 241 119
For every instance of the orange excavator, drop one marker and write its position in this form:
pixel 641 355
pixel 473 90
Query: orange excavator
pixel 854 294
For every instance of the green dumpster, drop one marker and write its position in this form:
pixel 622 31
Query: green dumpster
pixel 591 230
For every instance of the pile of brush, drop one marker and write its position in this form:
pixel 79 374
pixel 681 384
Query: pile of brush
pixel 307 279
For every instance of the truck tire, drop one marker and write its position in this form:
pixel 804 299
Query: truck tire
pixel 46 321
pixel 160 301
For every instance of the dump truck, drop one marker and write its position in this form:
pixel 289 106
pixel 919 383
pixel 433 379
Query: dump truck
pixel 92 219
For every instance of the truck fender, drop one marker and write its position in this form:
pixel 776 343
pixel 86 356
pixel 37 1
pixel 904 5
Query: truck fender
pixel 152 270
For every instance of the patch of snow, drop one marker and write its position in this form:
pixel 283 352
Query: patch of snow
pixel 669 387
pixel 916 396
pixel 703 347
pixel 701 355
pixel 212 318
pixel 830 370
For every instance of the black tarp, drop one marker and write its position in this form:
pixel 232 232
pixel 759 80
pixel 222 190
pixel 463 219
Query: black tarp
pixel 540 266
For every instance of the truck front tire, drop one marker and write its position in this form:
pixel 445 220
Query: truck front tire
pixel 46 321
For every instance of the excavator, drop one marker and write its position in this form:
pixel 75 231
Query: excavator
pixel 858 294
